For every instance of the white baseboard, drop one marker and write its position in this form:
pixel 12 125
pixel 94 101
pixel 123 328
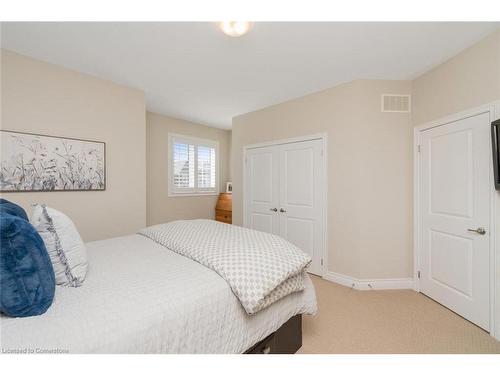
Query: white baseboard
pixel 363 284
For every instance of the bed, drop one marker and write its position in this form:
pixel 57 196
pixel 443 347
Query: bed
pixel 140 297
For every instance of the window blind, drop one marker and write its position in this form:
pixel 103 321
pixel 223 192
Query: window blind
pixel 193 166
pixel 183 165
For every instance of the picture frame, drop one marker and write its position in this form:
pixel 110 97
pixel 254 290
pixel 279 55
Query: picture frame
pixel 229 187
pixel 31 162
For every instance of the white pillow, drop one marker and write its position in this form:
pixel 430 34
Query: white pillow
pixel 64 245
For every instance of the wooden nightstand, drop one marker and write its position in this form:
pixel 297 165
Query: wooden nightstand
pixel 224 208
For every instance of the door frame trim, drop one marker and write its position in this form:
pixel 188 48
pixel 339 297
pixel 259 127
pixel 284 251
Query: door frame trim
pixel 319 136
pixel 493 109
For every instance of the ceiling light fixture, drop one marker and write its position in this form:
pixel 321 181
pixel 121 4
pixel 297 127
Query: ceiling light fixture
pixel 235 28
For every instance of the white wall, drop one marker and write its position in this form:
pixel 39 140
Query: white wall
pixel 161 207
pixel 369 166
pixel 370 184
pixel 469 79
pixel 43 98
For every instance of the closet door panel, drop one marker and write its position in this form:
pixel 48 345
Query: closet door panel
pixel 301 198
pixel 262 189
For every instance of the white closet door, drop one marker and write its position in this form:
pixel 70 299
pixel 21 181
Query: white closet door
pixel 301 198
pixel 455 216
pixel 262 189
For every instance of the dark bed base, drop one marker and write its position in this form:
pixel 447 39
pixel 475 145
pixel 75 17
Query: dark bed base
pixel 286 340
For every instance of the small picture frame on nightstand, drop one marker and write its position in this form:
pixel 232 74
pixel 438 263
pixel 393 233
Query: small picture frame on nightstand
pixel 229 187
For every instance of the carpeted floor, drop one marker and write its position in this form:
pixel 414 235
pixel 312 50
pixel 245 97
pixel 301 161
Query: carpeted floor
pixel 390 321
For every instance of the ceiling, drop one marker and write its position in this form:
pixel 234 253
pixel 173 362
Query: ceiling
pixel 192 71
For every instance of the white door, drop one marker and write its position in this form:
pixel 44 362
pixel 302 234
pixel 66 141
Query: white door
pixel 301 198
pixel 262 189
pixel 284 194
pixel 455 216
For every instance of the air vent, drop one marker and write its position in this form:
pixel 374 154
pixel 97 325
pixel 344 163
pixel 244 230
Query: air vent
pixel 396 103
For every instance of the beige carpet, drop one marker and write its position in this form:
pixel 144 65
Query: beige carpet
pixel 391 321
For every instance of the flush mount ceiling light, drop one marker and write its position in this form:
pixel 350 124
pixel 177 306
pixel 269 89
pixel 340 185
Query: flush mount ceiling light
pixel 235 28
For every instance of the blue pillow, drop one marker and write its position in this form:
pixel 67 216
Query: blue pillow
pixel 12 209
pixel 27 281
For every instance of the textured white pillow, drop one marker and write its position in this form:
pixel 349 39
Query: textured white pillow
pixel 64 245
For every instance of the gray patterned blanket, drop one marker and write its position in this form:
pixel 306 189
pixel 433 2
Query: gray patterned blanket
pixel 260 268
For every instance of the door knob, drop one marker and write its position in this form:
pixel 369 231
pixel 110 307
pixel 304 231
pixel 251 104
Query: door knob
pixel 479 230
pixel 282 210
pixel 273 209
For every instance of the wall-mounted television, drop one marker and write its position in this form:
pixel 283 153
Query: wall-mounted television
pixel 495 142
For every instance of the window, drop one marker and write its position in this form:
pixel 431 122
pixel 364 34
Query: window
pixel 193 166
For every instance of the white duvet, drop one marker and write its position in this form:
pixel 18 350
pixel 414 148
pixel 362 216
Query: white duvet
pixel 139 297
pixel 260 267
